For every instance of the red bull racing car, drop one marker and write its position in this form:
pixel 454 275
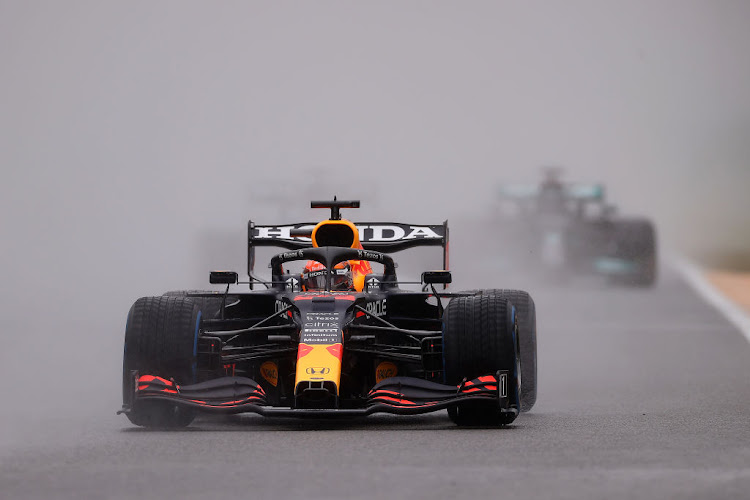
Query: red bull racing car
pixel 340 337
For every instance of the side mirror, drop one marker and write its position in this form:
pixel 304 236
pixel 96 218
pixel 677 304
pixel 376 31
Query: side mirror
pixel 436 277
pixel 222 278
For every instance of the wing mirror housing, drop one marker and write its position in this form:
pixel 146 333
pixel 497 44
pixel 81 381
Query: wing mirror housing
pixel 436 277
pixel 222 278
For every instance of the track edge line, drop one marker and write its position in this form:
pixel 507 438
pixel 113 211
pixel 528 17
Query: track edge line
pixel 698 281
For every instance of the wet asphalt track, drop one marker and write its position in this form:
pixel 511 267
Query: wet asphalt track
pixel 642 394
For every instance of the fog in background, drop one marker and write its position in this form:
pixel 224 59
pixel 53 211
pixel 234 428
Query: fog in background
pixel 137 138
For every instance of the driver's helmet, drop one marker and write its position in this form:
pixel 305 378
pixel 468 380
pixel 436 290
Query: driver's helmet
pixel 314 276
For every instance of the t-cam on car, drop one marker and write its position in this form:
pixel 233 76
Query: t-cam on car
pixel 337 339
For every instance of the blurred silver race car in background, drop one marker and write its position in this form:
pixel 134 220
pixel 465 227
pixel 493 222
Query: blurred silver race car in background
pixel 561 229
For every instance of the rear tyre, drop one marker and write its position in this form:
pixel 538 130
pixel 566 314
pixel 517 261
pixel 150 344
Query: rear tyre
pixel 635 241
pixel 161 339
pixel 479 338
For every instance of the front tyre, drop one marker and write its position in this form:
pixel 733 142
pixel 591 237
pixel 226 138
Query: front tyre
pixel 479 338
pixel 161 339
pixel 526 317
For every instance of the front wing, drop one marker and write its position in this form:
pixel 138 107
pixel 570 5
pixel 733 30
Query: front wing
pixel 396 395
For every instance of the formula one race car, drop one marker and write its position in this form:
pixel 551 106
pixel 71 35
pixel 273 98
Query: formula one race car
pixel 339 337
pixel 563 229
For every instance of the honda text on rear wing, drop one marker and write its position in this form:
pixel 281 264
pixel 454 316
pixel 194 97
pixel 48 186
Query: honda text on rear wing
pixel 383 237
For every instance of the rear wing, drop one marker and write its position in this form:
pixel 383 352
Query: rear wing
pixel 383 237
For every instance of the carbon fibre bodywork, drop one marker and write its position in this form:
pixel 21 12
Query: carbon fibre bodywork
pixel 285 351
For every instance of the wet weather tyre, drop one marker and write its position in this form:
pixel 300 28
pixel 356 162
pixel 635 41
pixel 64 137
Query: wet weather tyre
pixel 526 318
pixel 161 339
pixel 479 338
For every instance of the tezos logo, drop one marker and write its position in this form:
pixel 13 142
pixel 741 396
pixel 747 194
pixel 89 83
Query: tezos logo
pixel 365 255
pixel 291 255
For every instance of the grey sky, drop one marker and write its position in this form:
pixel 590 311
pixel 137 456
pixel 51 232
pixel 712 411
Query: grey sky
pixel 111 109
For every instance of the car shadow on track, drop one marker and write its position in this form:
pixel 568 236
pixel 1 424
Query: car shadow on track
pixel 255 423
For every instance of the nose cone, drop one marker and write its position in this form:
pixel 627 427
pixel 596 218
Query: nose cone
pixel 318 372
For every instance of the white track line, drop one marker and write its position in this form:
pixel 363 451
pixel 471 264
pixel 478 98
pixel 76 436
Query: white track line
pixel 697 279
